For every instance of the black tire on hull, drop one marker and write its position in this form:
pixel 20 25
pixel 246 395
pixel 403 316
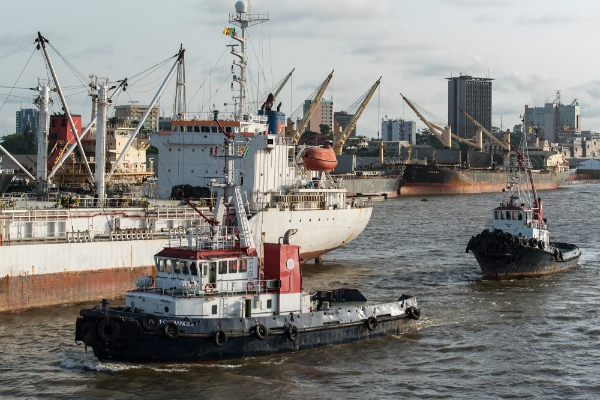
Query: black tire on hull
pixel 150 322
pixel 293 333
pixel 171 330
pixel 220 338
pixel 88 334
pixel 261 331
pixel 414 312
pixel 108 330
pixel 371 323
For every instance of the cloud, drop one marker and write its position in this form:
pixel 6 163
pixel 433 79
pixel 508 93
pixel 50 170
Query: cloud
pixel 101 50
pixel 553 18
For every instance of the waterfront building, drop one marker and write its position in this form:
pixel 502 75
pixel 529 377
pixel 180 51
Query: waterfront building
pixel 474 95
pixel 26 118
pixel 399 130
pixel 133 112
pixel 554 121
pixel 323 115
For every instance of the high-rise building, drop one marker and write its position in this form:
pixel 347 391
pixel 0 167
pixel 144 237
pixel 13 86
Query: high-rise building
pixel 323 115
pixel 474 95
pixel 399 130
pixel 554 122
pixel 131 112
pixel 27 118
pixel 344 119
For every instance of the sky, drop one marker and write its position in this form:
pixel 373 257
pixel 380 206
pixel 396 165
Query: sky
pixel 530 48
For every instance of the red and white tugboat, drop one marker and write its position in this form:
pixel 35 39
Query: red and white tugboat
pixel 214 299
pixel 516 242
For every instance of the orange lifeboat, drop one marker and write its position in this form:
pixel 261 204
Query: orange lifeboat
pixel 320 159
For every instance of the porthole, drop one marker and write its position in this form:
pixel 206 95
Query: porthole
pixel 169 170
pixel 166 309
pixel 192 171
pixel 193 150
pixel 169 149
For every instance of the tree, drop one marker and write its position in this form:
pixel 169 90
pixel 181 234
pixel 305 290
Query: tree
pixel 151 150
pixel 427 137
pixel 20 143
pixel 325 130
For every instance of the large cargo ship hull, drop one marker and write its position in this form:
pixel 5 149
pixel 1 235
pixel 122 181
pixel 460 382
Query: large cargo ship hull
pixel 420 180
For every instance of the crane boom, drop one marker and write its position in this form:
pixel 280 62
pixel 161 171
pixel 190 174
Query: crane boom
pixel 313 105
pixel 287 78
pixel 478 125
pixel 432 127
pixel 337 147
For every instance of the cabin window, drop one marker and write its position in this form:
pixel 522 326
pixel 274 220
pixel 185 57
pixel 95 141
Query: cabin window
pixel 502 215
pixel 213 272
pixel 168 266
pixel 269 302
pixel 227 129
pixel 243 265
pixel 223 267
pixel 54 123
pixel 196 128
pixel 174 128
pixel 193 269
pixel 514 215
pixel 496 214
pixel 214 309
pixel 520 215
pixel 176 266
pixel 190 128
pixel 184 268
pixel 205 269
pixel 205 129
pixel 64 123
pixel 232 266
pixel 508 215
pixel 160 266
pixel 214 129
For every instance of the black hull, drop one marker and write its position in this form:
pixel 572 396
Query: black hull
pixel 508 261
pixel 144 347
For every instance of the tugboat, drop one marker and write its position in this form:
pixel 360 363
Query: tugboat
pixel 516 242
pixel 215 299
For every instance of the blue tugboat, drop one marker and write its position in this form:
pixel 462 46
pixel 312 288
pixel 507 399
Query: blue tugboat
pixel 213 298
pixel 516 242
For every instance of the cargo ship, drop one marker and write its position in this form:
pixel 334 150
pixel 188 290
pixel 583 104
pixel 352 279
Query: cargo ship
pixel 213 295
pixel 52 249
pixel 433 176
pixel 516 242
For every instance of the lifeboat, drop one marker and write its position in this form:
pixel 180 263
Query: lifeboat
pixel 320 159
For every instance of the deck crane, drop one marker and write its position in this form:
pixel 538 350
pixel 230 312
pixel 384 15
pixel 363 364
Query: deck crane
pixel 272 97
pixel 296 132
pixel 505 146
pixel 444 134
pixel 340 138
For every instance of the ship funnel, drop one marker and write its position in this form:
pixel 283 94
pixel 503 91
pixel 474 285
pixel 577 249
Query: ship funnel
pixel 289 233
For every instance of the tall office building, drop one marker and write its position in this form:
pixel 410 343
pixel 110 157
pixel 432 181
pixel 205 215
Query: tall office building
pixel 132 113
pixel 474 95
pixel 554 122
pixel 26 117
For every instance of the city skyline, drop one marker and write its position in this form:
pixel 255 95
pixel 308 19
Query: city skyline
pixel 414 46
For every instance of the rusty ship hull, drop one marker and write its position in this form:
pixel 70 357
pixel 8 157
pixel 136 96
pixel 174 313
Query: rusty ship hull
pixel 422 180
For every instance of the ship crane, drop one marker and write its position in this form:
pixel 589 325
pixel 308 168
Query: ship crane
pixel 479 137
pixel 272 97
pixel 340 138
pixel 296 132
pixel 444 134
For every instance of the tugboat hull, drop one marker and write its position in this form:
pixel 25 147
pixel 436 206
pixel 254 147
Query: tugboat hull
pixel 118 334
pixel 501 259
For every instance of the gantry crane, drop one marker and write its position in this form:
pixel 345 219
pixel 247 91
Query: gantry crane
pixel 296 132
pixel 340 138
pixel 444 134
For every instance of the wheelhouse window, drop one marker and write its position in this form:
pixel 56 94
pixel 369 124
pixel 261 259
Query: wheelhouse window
pixel 514 215
pixel 508 215
pixel 184 267
pixel 168 267
pixel 193 269
pixel 496 214
pixel 232 266
pixel 190 128
pixel 176 266
pixel 243 265
pixel 502 215
pixel 196 128
pixel 160 264
pixel 205 129
pixel 223 267
pixel 520 215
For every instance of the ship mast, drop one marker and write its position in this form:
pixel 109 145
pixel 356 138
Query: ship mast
pixel 243 19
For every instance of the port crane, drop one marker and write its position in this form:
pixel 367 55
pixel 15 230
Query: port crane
pixel 296 131
pixel 505 146
pixel 444 134
pixel 339 138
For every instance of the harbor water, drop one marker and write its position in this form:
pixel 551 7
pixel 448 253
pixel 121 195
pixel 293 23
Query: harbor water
pixel 535 338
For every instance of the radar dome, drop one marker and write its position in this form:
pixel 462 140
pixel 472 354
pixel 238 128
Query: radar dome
pixel 241 6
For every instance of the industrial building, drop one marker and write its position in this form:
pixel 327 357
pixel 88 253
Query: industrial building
pixel 323 115
pixel 555 122
pixel 399 130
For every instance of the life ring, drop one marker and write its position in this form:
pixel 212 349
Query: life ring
pixel 219 338
pixel 88 334
pixel 413 312
pixel 108 330
pixel 533 242
pixel 293 333
pixel 171 330
pixel 208 288
pixel 250 286
pixel 150 322
pixel 371 323
pixel 261 331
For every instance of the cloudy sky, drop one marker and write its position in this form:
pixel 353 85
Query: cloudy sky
pixel 531 49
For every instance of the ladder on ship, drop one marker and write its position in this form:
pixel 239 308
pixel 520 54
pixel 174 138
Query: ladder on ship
pixel 242 217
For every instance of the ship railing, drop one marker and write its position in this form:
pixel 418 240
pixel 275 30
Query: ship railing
pixel 358 202
pixel 78 236
pixel 131 234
